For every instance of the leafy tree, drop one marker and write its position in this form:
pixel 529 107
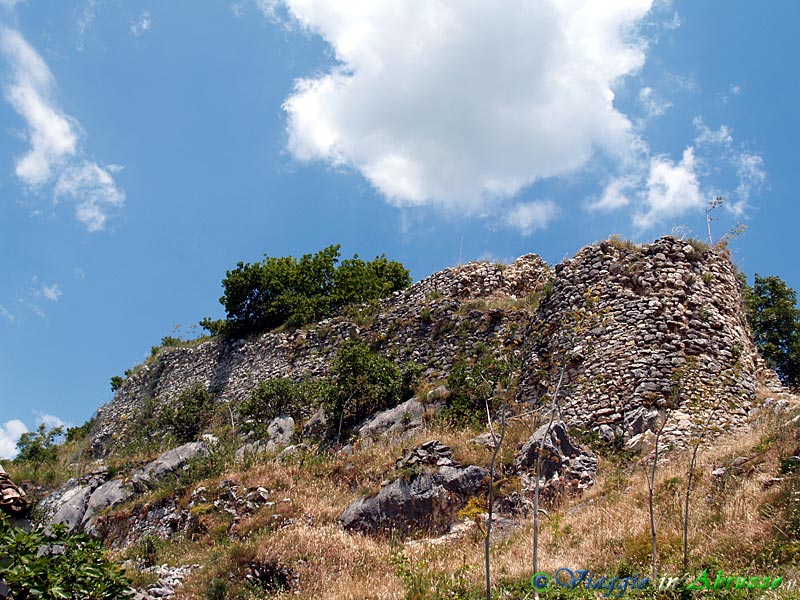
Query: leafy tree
pixel 39 447
pixel 772 306
pixel 55 565
pixel 362 382
pixel 266 294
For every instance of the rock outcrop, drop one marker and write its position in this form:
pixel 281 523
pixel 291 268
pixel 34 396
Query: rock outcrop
pixel 426 497
pixel 77 503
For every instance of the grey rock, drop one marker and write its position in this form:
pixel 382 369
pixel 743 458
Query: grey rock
pixel 562 459
pixel 438 394
pixel 427 501
pixel 172 460
pixel 399 419
pixel 280 431
pixel 110 493
pixel 72 507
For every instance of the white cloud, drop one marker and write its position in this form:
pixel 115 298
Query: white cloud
pixel 616 194
pixel 752 179
pixel 51 292
pixel 7 314
pixel 55 155
pixel 142 24
pixel 9 434
pixel 706 135
pixel 460 105
pixel 672 189
pixel 529 216
pixel 93 190
pixel 653 104
pixel 49 421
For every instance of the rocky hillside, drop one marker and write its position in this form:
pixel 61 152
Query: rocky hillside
pixel 624 340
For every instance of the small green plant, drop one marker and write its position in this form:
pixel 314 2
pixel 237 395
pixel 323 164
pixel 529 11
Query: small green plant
pixel 116 382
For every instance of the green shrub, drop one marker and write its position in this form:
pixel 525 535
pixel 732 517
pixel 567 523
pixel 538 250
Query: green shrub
pixel 276 397
pixel 75 434
pixel 264 295
pixel 362 382
pixel 471 385
pixel 189 416
pixel 57 565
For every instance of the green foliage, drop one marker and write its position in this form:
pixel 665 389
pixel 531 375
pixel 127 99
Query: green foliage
pixel 213 326
pixel 772 306
pixel 57 565
pixel 276 397
pixel 361 383
pixel 116 382
pixel 189 416
pixel 167 341
pixel 471 385
pixel 75 434
pixel 39 447
pixel 266 294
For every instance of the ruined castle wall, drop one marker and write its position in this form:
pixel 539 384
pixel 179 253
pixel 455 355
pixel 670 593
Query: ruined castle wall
pixel 433 324
pixel 639 330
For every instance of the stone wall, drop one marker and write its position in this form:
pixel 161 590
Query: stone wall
pixel 636 333
pixel 433 324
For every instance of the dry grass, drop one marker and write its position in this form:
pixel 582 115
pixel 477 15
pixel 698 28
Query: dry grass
pixel 733 521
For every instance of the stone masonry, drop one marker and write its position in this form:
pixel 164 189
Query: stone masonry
pixel 630 331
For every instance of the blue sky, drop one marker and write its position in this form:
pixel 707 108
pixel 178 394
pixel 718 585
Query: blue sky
pixel 147 147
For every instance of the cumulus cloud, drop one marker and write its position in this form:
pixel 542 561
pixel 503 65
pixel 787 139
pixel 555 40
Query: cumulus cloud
pixel 672 189
pixel 460 105
pixel 55 156
pixel 529 216
pixel 9 434
pixel 142 24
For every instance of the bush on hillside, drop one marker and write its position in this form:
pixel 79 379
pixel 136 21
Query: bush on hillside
pixel 362 382
pixel 189 416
